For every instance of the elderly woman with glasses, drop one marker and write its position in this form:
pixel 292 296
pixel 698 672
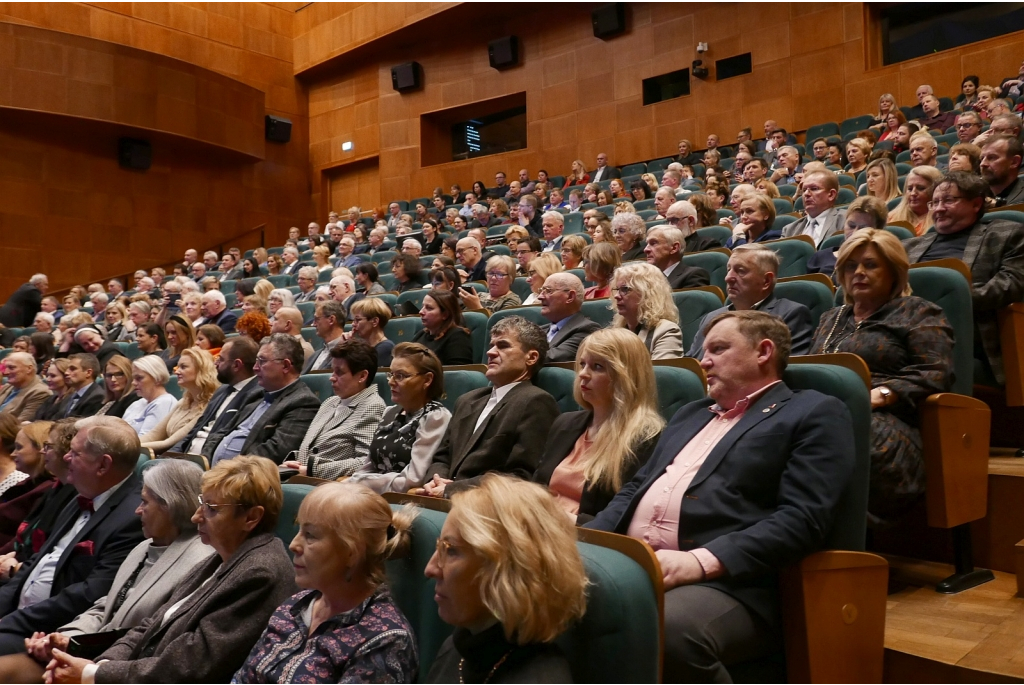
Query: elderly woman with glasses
pixel 540 267
pixel 501 272
pixel 206 628
pixel 643 304
pixel 628 231
pixel 369 317
pixel 509 577
pixel 146 578
pixel 343 626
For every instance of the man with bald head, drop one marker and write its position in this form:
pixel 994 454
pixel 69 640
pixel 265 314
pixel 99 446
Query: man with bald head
pixel 603 171
pixel 526 186
pixel 24 392
pixel 665 250
pixel 935 120
pixel 683 215
pixel 288 320
pixel 561 299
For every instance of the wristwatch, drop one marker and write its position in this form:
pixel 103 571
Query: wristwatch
pixel 886 393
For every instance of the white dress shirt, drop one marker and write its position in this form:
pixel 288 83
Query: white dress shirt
pixel 497 395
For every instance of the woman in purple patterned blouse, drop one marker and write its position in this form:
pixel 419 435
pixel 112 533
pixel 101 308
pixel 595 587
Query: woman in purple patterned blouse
pixel 344 626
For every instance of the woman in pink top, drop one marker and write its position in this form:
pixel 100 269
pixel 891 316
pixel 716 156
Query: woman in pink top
pixel 591 453
pixel 600 261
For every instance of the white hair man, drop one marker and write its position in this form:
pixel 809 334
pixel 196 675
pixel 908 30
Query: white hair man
pixel 306 278
pixel 290 256
pixel 552 224
pixel 664 249
pixel 24 392
pixel 215 310
pixel 412 246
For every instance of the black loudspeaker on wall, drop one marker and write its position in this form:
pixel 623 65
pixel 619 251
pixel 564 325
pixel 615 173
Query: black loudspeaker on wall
pixel 504 52
pixel 134 154
pixel 609 20
pixel 277 129
pixel 406 77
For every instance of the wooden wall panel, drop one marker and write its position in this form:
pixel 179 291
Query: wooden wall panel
pixel 583 94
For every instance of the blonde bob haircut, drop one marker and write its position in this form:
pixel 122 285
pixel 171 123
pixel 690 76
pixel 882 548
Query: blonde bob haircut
pixel 545 264
pixel 656 304
pixel 889 248
pixel 206 377
pixel 37 432
pixel 250 481
pixel 532 578
pixel 373 308
pixel 634 419
pixel 357 520
pixel 889 176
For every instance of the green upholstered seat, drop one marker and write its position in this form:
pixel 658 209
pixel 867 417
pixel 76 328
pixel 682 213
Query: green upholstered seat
pixel 573 222
pixel 814 295
pixel 413 296
pixel 319 383
pixel 324 277
pixel 172 386
pixel 457 382
pixel 781 221
pixel 557 382
pixel 390 299
pixel 950 290
pixel 900 232
pixel 854 124
pixel 643 204
pixel 725 213
pixel 307 309
pixel 634 169
pixel 476 322
pixel 825 130
pixel 287 525
pixel 719 233
pixel 521 288
pixel 693 305
pixel 656 166
pixel 782 205
pixel 403 328
pixel 132 350
pixel 383 389
pixel 794 254
pixel 384 256
pixel 787 190
pixel 597 311
pixel 142 463
pixel 386 280
pixel 1003 215
pixel 310 336
pixel 676 387
pixel 833 241
pixel 845 196
pixel 280 281
pixel 715 263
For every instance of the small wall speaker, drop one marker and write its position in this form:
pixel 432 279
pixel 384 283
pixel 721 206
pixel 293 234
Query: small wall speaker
pixel 609 20
pixel 134 154
pixel 504 52
pixel 277 129
pixel 406 77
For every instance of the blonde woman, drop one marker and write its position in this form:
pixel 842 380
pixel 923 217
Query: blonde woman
pixel 624 208
pixel 180 336
pixel 767 188
pixel 197 378
pixel 322 258
pixel 592 452
pixel 540 267
pixel 643 304
pixel 578 176
pixel 857 152
pixel 192 306
pixel 600 261
pixel 572 251
pixel 279 297
pixel 514 235
pixel 509 577
pixel 263 288
pixel 917 193
pixel 652 183
pixel 881 180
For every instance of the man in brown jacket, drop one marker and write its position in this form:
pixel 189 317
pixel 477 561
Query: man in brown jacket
pixel 24 392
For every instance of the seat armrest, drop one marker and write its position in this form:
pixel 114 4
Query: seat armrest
pixel 1011 340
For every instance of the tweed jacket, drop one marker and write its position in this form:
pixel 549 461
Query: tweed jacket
pixel 833 225
pixel 27 402
pixel 338 441
pixel 510 440
pixel 208 638
pixel 995 256
pixel 144 598
pixel 281 428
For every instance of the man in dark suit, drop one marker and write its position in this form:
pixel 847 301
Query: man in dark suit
pixel 239 387
pixel 502 428
pixel 469 252
pixel 822 219
pixel 1000 164
pixel 215 311
pixel 230 270
pixel 89 541
pixel 683 215
pixel 20 309
pixel 665 250
pixel 603 171
pixel 528 211
pixel 561 299
pixel 732 495
pixel 750 285
pixel 993 251
pixel 84 396
pixel 500 188
pixel 272 424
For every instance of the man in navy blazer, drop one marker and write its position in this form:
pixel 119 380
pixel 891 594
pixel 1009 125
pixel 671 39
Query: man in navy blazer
pixel 739 485
pixel 89 541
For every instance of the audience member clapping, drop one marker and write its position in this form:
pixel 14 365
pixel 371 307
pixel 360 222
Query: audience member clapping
pixel 444 331
pixel 643 304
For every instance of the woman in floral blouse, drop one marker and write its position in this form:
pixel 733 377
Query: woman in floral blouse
pixel 907 344
pixel 343 626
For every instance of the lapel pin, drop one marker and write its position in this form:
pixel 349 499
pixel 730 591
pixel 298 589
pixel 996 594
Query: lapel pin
pixel 768 409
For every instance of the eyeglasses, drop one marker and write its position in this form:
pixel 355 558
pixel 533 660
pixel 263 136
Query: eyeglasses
pixel 47 446
pixel 211 509
pixel 547 291
pixel 496 275
pixel 116 374
pixel 619 231
pixel 944 202
pixel 261 361
pixel 401 376
pixel 965 124
pixel 444 549
pixel 624 290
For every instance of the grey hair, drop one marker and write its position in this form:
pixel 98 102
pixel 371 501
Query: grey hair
pixel 671 233
pixel 38 278
pixel 285 295
pixel 175 483
pixel 530 336
pixel 141 306
pixel 766 259
pixel 215 296
pixel 99 297
pixel 287 347
pixel 634 223
pixel 291 250
pixel 23 358
pixel 113 436
pixel 210 253
pixel 555 216
pixel 309 272
pixel 46 316
pixel 154 367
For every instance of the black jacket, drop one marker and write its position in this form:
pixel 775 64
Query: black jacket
pixel 565 343
pixel 684 276
pixel 236 400
pixel 21 307
pixel 94 398
pixel 796 316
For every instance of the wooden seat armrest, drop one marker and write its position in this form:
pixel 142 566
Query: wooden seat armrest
pixel 833 616
pixel 955 432
pixel 1011 339
pixel 432 503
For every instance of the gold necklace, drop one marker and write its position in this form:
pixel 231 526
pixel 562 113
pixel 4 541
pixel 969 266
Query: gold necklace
pixel 489 675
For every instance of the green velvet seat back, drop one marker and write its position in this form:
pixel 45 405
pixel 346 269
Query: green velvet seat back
pixel 693 305
pixel 814 295
pixel 950 290
pixel 715 263
pixel 320 384
pixel 676 387
pixel 557 382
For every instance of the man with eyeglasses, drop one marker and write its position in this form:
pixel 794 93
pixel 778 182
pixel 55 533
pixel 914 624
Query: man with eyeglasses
pixel 821 219
pixel 24 392
pixel 526 250
pixel 307 284
pixel 665 250
pixel 968 127
pixel 329 322
pixel 1000 164
pixel 1004 124
pixel 993 251
pixel 682 215
pixel 469 254
pixel 561 299
pixel 273 424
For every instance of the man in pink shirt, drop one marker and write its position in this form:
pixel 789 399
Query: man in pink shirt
pixel 741 484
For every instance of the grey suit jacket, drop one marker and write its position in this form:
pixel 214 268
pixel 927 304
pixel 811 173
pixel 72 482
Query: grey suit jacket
pixel 995 256
pixel 567 341
pixel 25 404
pixel 172 568
pixel 279 430
pixel 207 639
pixel 796 316
pixel 338 442
pixel 833 225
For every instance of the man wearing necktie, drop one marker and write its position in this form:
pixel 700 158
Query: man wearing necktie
pixel 819 192
pixel 91 538
pixel 561 299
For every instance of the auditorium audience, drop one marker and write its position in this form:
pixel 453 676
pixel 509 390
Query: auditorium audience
pixel 42 349
pixel 150 339
pixel 880 179
pixel 149 376
pixel 591 453
pixel 52 407
pixel 83 395
pixel 343 626
pixel 197 379
pixel 119 388
pixel 907 345
pixel 501 272
pixel 644 306
pixel 572 251
pixel 21 307
pixel 510 580
pixel 917 195
pixel 180 336
pixel 10 476
pixel 665 246
pixel 822 218
pixel 329 322
pixel 561 299
pixel 599 263
pixel 24 392
pixel 993 251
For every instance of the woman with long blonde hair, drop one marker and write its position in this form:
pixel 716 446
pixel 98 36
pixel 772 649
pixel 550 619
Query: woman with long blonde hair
pixel 642 301
pixel 592 452
pixel 578 176
pixel 197 378
pixel 881 180
pixel 917 193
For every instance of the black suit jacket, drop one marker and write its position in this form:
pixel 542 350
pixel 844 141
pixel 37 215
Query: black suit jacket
pixel 281 428
pixel 609 173
pixel 565 431
pixel 698 243
pixel 510 440
pixel 766 494
pixel 684 276
pixel 82 576
pixel 20 309
pixel 226 320
pixel 796 316
pixel 94 398
pixel 567 341
pixel 236 400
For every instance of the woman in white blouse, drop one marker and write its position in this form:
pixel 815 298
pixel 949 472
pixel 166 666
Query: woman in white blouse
pixel 149 376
